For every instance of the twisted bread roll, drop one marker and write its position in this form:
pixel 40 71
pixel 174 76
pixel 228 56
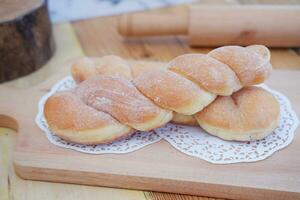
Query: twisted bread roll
pixel 239 67
pixel 222 71
pixel 187 85
pixel 120 98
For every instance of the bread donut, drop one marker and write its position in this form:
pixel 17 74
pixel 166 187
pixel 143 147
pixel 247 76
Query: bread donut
pixel 145 98
pixel 249 114
pixel 71 119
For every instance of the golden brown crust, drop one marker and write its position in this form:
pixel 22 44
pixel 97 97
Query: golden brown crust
pixel 69 118
pixel 119 98
pixel 184 119
pixel 92 137
pixel 246 115
pixel 209 73
pixel 59 111
pixel 82 69
pixel 144 97
pixel 171 91
pixel 251 68
pixel 112 65
pixel 261 50
pixel 141 67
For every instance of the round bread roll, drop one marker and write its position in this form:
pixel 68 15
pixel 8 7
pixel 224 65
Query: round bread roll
pixel 249 114
pixel 71 119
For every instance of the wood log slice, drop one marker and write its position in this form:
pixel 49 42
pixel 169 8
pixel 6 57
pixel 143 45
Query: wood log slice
pixel 26 39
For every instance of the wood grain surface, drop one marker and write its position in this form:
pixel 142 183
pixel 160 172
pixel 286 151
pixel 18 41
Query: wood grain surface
pixel 157 167
pixel 36 158
pixel 219 25
pixel 99 37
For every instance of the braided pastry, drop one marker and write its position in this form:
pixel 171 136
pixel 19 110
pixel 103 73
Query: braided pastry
pixel 113 99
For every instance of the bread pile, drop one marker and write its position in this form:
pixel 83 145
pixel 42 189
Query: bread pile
pixel 113 99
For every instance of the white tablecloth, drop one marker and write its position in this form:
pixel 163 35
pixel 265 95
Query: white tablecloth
pixel 70 10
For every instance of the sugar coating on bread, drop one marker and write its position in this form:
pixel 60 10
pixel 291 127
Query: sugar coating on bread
pixel 250 68
pixel 140 67
pixel 261 50
pixel 211 74
pixel 207 72
pixel 119 98
pixel 82 69
pixel 112 65
pixel 143 96
pixel 248 114
pixel 69 118
pixel 171 91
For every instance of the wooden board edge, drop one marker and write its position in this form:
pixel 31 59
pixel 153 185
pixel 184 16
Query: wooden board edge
pixel 43 173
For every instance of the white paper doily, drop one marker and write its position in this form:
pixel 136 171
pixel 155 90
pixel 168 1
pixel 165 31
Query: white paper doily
pixel 192 141
pixel 134 142
pixel 196 142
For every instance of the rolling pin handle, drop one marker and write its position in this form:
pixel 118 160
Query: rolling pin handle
pixel 210 26
pixel 147 24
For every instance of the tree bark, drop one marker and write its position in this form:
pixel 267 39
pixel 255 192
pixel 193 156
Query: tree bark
pixel 26 39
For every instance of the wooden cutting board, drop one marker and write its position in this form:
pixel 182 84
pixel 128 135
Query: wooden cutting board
pixel 157 167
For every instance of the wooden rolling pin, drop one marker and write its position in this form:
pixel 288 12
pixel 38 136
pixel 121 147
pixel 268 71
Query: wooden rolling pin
pixel 275 26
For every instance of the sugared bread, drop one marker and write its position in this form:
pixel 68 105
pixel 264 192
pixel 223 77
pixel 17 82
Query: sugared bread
pixel 214 90
pixel 249 114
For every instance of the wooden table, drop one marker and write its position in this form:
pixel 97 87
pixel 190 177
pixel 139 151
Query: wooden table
pixel 97 37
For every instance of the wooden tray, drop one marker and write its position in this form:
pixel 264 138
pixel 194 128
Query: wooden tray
pixel 157 167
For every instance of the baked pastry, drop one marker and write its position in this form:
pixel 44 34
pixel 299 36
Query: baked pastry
pixel 171 91
pixel 146 98
pixel 221 72
pixel 184 119
pixel 224 70
pixel 107 65
pixel 119 98
pixel 249 114
pixel 71 119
